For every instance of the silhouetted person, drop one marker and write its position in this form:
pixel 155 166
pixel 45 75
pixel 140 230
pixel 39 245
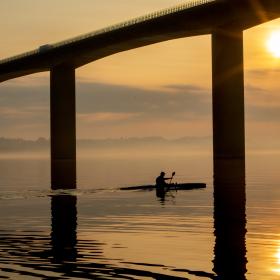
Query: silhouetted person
pixel 160 180
pixel 161 185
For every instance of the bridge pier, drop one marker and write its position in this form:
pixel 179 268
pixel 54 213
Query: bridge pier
pixel 63 127
pixel 228 94
pixel 229 153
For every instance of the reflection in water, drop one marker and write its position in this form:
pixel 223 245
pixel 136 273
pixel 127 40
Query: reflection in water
pixel 277 262
pixel 30 256
pixel 230 219
pixel 160 194
pixel 166 197
pixel 64 225
pixel 62 256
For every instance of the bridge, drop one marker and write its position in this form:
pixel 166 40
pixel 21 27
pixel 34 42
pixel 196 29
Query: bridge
pixel 225 20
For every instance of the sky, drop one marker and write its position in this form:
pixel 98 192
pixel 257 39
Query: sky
pixel 159 90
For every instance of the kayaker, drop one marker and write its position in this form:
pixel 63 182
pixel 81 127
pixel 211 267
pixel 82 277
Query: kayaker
pixel 160 180
pixel 161 185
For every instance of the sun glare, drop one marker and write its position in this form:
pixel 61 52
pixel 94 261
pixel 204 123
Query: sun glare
pixel 273 43
pixel 277 262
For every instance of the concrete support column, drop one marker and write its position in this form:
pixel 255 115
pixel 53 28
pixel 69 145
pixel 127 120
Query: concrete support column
pixel 63 127
pixel 228 94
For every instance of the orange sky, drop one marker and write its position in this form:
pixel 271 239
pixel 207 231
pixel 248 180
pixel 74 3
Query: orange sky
pixel 178 73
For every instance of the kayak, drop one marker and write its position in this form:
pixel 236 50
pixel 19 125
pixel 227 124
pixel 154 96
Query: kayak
pixel 181 186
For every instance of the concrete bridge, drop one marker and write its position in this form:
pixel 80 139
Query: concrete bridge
pixel 224 19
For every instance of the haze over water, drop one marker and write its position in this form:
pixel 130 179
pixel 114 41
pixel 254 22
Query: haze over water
pixel 106 233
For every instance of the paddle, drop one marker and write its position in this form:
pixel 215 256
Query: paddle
pixel 173 174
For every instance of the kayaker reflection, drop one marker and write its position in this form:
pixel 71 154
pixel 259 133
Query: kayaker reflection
pixel 161 186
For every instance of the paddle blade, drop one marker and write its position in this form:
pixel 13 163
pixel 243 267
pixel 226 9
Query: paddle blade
pixel 173 174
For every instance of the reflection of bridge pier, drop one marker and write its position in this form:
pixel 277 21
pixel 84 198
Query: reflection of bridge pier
pixel 64 228
pixel 230 219
pixel 63 127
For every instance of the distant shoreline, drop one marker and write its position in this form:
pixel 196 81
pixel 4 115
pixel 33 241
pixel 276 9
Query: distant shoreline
pixel 125 147
pixel 43 144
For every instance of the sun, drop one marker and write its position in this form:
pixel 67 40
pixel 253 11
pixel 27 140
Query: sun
pixel 273 43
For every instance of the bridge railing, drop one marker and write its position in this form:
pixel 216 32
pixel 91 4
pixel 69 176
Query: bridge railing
pixel 154 15
pixel 134 21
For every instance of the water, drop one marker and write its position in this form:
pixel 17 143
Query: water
pixel 100 232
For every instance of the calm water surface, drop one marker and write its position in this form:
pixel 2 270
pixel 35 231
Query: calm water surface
pixel 99 232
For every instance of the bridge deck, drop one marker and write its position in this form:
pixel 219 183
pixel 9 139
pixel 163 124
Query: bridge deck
pixel 193 18
pixel 111 28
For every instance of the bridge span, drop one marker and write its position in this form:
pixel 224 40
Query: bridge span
pixel 225 20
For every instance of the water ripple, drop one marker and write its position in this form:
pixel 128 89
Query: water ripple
pixel 36 256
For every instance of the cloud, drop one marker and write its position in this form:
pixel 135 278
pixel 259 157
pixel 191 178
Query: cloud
pixel 96 97
pixel 186 88
pixel 26 113
pixel 106 104
pixel 262 72
pixel 20 96
pixel 106 117
pixel 173 101
pixel 107 108
pixel 263 114
pixel 262 105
